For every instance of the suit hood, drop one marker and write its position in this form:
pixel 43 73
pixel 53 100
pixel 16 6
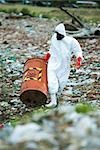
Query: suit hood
pixel 60 29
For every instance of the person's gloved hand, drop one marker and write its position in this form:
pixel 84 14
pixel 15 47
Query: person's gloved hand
pixel 47 56
pixel 1 126
pixel 78 62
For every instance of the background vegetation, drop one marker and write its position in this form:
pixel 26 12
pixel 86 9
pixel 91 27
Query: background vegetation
pixel 86 15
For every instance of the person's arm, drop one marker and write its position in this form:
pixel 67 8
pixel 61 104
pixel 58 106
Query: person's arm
pixel 77 51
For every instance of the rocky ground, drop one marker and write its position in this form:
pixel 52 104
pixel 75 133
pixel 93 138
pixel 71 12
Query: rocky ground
pixel 62 128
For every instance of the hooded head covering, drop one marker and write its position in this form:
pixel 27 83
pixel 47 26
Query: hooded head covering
pixel 60 29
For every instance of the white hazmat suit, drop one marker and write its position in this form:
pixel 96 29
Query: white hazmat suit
pixel 59 63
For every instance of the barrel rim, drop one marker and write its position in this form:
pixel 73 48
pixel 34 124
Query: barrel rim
pixel 33 89
pixel 34 59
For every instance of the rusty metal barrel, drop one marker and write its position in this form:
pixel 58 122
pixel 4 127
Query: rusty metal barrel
pixel 34 88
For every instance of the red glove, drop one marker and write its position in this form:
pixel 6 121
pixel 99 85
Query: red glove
pixel 47 56
pixel 1 126
pixel 78 62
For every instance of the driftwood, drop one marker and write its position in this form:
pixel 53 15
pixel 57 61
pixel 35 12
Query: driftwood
pixel 78 29
pixel 73 17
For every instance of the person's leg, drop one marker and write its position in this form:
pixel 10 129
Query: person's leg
pixel 62 83
pixel 53 88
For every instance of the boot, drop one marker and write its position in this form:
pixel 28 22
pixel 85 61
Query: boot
pixel 53 102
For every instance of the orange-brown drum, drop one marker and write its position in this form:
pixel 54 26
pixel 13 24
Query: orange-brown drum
pixel 34 88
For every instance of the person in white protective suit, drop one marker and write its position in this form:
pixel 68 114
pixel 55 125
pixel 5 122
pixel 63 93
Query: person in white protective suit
pixel 58 69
